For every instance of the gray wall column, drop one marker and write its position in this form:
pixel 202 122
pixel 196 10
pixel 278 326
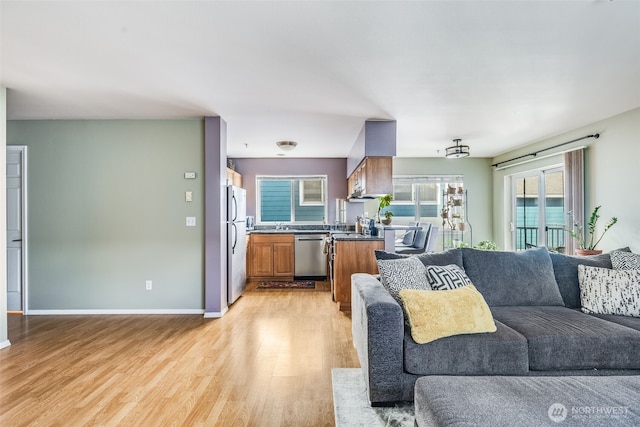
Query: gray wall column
pixel 215 241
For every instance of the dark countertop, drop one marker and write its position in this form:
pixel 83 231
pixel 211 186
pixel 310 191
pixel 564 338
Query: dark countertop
pixel 401 227
pixel 290 231
pixel 356 236
pixel 337 234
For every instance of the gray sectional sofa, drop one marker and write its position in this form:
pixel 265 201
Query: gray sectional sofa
pixel 534 298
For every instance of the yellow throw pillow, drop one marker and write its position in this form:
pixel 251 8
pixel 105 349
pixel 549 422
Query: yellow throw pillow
pixel 439 314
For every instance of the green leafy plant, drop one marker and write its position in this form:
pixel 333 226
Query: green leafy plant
pixel 384 202
pixel 388 214
pixel 456 244
pixel 487 245
pixel 589 241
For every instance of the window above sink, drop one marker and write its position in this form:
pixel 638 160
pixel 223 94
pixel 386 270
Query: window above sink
pixel 291 199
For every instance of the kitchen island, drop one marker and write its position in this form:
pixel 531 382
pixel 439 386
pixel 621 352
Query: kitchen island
pixel 352 253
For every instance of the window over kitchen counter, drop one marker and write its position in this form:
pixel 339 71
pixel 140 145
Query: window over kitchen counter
pixel 419 197
pixel 291 199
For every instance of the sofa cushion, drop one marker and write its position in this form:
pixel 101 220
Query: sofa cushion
pixel 629 322
pixel 621 260
pixel 527 401
pixel 450 256
pixel 446 277
pixel 565 270
pixel 606 291
pixel 503 352
pixel 433 315
pixel 398 274
pixel 562 339
pixel 513 278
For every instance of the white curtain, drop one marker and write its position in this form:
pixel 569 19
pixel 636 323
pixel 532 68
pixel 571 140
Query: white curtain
pixel 574 193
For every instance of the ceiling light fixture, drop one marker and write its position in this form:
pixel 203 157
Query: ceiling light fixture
pixel 457 151
pixel 287 145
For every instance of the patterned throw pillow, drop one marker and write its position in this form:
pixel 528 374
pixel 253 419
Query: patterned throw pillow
pixel 404 273
pixel 625 260
pixel 446 277
pixel 605 291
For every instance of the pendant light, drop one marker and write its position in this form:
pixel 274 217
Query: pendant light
pixel 457 151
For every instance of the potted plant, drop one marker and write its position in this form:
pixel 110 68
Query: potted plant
pixel 588 241
pixel 387 218
pixel 384 202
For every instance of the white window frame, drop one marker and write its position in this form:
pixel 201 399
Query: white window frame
pixel 303 201
pixel 291 178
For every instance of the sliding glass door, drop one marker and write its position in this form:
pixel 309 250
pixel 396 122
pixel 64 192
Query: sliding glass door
pixel 538 210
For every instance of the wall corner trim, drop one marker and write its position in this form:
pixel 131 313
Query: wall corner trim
pixel 116 311
pixel 215 314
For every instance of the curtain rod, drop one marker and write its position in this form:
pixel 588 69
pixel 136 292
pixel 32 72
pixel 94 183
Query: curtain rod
pixel 595 135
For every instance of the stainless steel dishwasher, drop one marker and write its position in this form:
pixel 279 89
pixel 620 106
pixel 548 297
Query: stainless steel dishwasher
pixel 310 257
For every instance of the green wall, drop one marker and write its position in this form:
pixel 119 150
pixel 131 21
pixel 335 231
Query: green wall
pixel 106 212
pixel 611 174
pixel 477 180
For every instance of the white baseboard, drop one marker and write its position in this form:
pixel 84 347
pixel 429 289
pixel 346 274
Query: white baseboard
pixel 215 314
pixel 114 311
pixel 4 344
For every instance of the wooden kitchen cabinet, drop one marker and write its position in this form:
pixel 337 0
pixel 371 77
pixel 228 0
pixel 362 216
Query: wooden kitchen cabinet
pixel 271 256
pixel 374 175
pixel 234 178
pixel 352 256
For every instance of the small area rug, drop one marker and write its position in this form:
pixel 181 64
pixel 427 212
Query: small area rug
pixel 352 408
pixel 296 284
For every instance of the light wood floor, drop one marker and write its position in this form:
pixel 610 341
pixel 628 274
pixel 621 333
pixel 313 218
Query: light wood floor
pixel 267 362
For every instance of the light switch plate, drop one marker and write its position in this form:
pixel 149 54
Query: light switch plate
pixel 189 175
pixel 188 196
pixel 191 221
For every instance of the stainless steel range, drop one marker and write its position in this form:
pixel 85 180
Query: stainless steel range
pixel 330 251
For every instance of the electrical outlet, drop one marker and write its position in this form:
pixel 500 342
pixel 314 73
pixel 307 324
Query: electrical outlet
pixel 148 285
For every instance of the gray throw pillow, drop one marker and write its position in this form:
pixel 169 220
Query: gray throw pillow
pixel 513 278
pixel 450 256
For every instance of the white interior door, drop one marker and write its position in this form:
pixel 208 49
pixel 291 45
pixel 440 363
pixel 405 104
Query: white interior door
pixel 15 279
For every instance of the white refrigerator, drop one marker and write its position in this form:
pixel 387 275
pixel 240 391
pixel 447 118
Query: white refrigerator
pixel 236 242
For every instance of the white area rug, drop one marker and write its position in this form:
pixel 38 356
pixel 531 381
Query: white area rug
pixel 352 408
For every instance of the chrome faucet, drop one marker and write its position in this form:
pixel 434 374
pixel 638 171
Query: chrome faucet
pixel 278 226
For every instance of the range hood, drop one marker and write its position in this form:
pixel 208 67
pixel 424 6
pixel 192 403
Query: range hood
pixel 357 196
pixel 370 162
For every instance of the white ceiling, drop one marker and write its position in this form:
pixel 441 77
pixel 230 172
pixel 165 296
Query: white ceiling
pixel 497 74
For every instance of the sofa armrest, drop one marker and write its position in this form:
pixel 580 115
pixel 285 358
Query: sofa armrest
pixel 377 324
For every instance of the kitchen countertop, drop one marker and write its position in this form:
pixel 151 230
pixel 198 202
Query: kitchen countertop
pixel 291 231
pixel 401 227
pixel 355 236
pixel 337 234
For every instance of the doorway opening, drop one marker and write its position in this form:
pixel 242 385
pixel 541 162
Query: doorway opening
pixel 17 284
pixel 538 215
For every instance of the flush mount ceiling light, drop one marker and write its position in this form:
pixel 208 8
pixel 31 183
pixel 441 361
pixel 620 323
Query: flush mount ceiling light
pixel 286 145
pixel 457 151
